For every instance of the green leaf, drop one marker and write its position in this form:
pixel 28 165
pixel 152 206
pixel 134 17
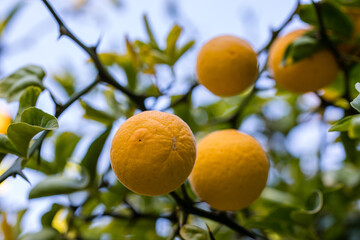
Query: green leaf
pixel 111 58
pixel 33 121
pixel 334 19
pixel 153 42
pixel 10 16
pixel 356 102
pixel 354 77
pixel 349 3
pixel 181 51
pixel 348 176
pixel 116 110
pixel 315 202
pixel 56 185
pixel 47 218
pixel 171 42
pixel 354 127
pixel 67 82
pixel 123 61
pixel 131 73
pixel 11 87
pixel 191 232
pixel 64 147
pixel 314 205
pixel 277 196
pixel 91 158
pixel 278 220
pixel 341 125
pixel 17 227
pixel 44 166
pixel 97 115
pixel 301 48
pixel 6 146
pixel 28 99
pixel 46 233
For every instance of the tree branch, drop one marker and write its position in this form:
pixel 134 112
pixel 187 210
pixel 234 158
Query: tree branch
pixel 217 217
pixel 91 51
pixel 277 32
pixel 133 216
pixel 331 46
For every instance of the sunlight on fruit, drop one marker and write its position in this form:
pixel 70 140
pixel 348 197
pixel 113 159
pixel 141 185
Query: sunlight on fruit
pixel 231 170
pixel 5 121
pixel 226 66
pixel 154 145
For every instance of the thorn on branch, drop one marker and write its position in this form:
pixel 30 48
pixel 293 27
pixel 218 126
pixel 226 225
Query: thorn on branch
pixel 102 71
pixel 62 31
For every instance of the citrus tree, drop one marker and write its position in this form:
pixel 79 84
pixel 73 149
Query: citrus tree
pixel 186 171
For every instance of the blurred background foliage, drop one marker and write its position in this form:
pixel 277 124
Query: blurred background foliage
pixel 314 184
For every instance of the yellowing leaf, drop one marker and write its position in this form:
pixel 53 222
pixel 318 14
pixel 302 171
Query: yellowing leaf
pixel 6 229
pixel 59 222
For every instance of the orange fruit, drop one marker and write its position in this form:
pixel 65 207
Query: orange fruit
pixel 309 74
pixel 5 121
pixel 230 171
pixel 153 153
pixel 226 65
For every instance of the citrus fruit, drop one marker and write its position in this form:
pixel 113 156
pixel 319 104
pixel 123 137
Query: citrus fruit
pixel 226 65
pixel 153 153
pixel 230 171
pixel 5 121
pixel 309 74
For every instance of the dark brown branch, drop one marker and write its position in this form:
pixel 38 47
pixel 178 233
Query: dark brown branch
pixel 132 216
pixel 91 51
pixel 217 217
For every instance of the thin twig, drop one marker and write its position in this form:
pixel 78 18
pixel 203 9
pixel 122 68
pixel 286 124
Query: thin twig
pixel 277 32
pixel 76 96
pixel 91 51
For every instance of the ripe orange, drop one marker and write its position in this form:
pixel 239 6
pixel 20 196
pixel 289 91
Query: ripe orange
pixel 309 74
pixel 5 121
pixel 230 171
pixel 226 65
pixel 153 153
